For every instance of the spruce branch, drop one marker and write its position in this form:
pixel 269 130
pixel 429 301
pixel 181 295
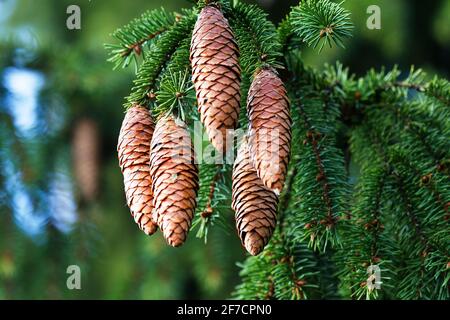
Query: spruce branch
pixel 320 22
pixel 432 195
pixel 417 257
pixel 257 282
pixel 176 91
pixel 313 138
pixel 279 272
pixel 414 214
pixel 143 91
pixel 175 94
pixel 320 183
pixel 365 240
pixel 256 36
pixel 135 38
pixel 386 89
pixel 213 199
pixel 397 217
pixel 429 140
pixel 290 284
pixel 439 89
pixel 405 153
pixel 320 208
pixel 286 35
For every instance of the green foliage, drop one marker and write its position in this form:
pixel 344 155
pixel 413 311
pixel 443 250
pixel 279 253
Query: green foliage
pixel 286 271
pixel 367 241
pixel 176 91
pixel 398 214
pixel 257 282
pixel 320 22
pixel 136 37
pixel 368 177
pixel 159 54
pixel 256 36
pixel 214 196
pixel 439 89
pixel 319 187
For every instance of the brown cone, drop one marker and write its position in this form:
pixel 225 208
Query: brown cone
pixel 134 159
pixel 255 205
pixel 216 75
pixel 270 128
pixel 175 179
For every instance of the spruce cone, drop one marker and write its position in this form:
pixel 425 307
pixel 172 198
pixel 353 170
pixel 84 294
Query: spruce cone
pixel 216 75
pixel 270 128
pixel 175 179
pixel 134 159
pixel 255 205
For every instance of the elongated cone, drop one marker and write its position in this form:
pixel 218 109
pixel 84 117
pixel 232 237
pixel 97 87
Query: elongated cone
pixel 270 128
pixel 254 204
pixel 216 75
pixel 134 159
pixel 175 179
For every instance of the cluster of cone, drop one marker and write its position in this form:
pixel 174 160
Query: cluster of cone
pixel 161 189
pixel 160 174
pixel 261 164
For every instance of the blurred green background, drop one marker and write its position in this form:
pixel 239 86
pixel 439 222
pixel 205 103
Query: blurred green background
pixel 61 195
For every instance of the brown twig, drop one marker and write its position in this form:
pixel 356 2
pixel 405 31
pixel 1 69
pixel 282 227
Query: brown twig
pixel 137 46
pixel 212 187
pixel 321 176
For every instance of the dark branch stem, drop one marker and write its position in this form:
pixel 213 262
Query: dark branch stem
pixel 408 124
pixel 349 111
pixel 376 223
pixel 438 197
pixel 407 85
pixel 212 188
pixel 271 291
pixel 137 46
pixel 289 259
pixel 417 228
pixel 287 194
pixel 321 177
pixel 413 218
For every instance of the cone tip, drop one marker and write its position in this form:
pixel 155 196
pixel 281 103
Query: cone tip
pixel 254 247
pixel 277 191
pixel 174 239
pixel 149 229
pixel 175 242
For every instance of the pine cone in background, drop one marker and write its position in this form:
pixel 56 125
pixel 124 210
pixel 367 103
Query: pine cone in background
pixel 134 159
pixel 270 128
pixel 85 153
pixel 255 205
pixel 175 179
pixel 216 75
